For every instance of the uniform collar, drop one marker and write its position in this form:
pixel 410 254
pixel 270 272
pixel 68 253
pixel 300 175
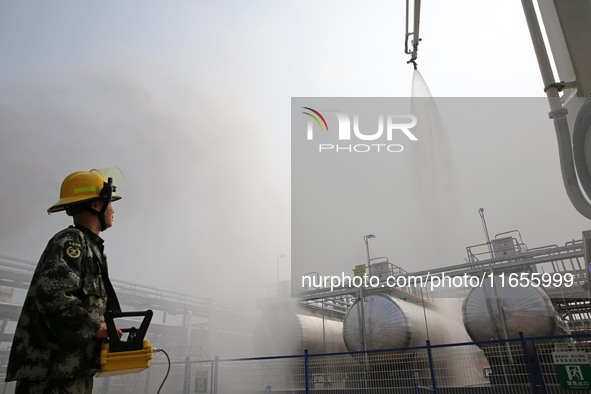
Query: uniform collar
pixel 95 238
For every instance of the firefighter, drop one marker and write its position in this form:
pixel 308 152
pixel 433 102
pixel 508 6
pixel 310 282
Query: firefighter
pixel 56 345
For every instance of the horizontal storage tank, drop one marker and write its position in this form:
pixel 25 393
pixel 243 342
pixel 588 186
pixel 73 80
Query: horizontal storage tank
pixel 391 323
pixel 525 309
pixel 288 329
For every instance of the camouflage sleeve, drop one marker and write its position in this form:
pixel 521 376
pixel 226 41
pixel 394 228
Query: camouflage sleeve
pixel 59 295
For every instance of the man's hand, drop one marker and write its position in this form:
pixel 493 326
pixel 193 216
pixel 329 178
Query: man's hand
pixel 103 334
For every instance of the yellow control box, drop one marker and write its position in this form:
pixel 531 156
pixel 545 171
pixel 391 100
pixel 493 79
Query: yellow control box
pixel 124 362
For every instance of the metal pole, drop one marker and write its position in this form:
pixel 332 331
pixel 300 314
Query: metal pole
pixel 106 385
pixel 416 16
pixel 363 336
pixel 431 367
pixel 277 269
pixel 493 321
pixel 541 54
pixel 532 378
pixel 502 318
pixel 189 321
pixel 362 300
pixel 147 385
pixel 215 375
pixel 306 372
pixel 539 366
pixel 414 34
pixel 187 384
pixel 212 376
pixel 424 313
pixel 366 239
pixel 481 212
pixel 323 328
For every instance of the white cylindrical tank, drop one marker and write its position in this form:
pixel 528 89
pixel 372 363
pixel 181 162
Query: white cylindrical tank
pixel 491 312
pixel 391 323
pixel 290 329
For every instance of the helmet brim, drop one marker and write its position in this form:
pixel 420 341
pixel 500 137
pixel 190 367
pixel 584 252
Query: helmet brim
pixel 63 203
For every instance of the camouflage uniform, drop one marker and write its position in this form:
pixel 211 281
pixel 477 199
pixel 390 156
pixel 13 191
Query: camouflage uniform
pixel 55 338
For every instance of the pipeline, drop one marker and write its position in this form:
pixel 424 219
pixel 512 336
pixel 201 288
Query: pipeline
pixel 582 145
pixel 414 33
pixel 571 163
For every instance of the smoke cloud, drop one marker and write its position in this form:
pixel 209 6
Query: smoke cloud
pixel 201 211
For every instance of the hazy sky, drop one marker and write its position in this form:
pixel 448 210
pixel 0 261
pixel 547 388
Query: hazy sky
pixel 191 99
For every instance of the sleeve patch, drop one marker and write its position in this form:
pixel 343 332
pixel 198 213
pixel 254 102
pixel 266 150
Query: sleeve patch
pixel 73 250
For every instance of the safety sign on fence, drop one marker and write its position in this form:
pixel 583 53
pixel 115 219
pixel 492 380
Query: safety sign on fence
pixel 201 381
pixel 573 370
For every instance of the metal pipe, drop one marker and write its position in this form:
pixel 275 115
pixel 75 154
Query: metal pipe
pixel 414 33
pixel 366 239
pixel 582 146
pixel 481 212
pixel 216 374
pixel 416 16
pixel 494 317
pixel 306 372
pixel 431 366
pixel 567 168
pixel 528 365
pixel 558 114
pixel 406 33
pixel 424 313
pixel 361 322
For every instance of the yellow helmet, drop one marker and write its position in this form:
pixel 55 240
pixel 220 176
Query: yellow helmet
pixel 81 186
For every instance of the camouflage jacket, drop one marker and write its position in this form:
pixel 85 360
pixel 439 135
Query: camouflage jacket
pixel 55 336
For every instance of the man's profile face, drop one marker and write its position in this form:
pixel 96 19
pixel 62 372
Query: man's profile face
pixel 109 215
pixel 109 212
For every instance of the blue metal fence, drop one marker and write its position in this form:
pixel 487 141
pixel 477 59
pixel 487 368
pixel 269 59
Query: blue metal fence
pixel 517 365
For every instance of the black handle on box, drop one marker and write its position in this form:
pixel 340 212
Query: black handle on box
pixel 135 337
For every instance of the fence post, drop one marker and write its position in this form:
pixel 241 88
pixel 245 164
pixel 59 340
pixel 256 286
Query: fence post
pixel 147 385
pixel 187 380
pixel 211 377
pixel 215 375
pixel 306 372
pixel 106 383
pixel 532 378
pixel 431 367
pixel 539 366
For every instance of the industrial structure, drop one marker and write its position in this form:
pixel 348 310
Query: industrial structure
pixel 522 291
pixel 188 327
pixel 374 318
